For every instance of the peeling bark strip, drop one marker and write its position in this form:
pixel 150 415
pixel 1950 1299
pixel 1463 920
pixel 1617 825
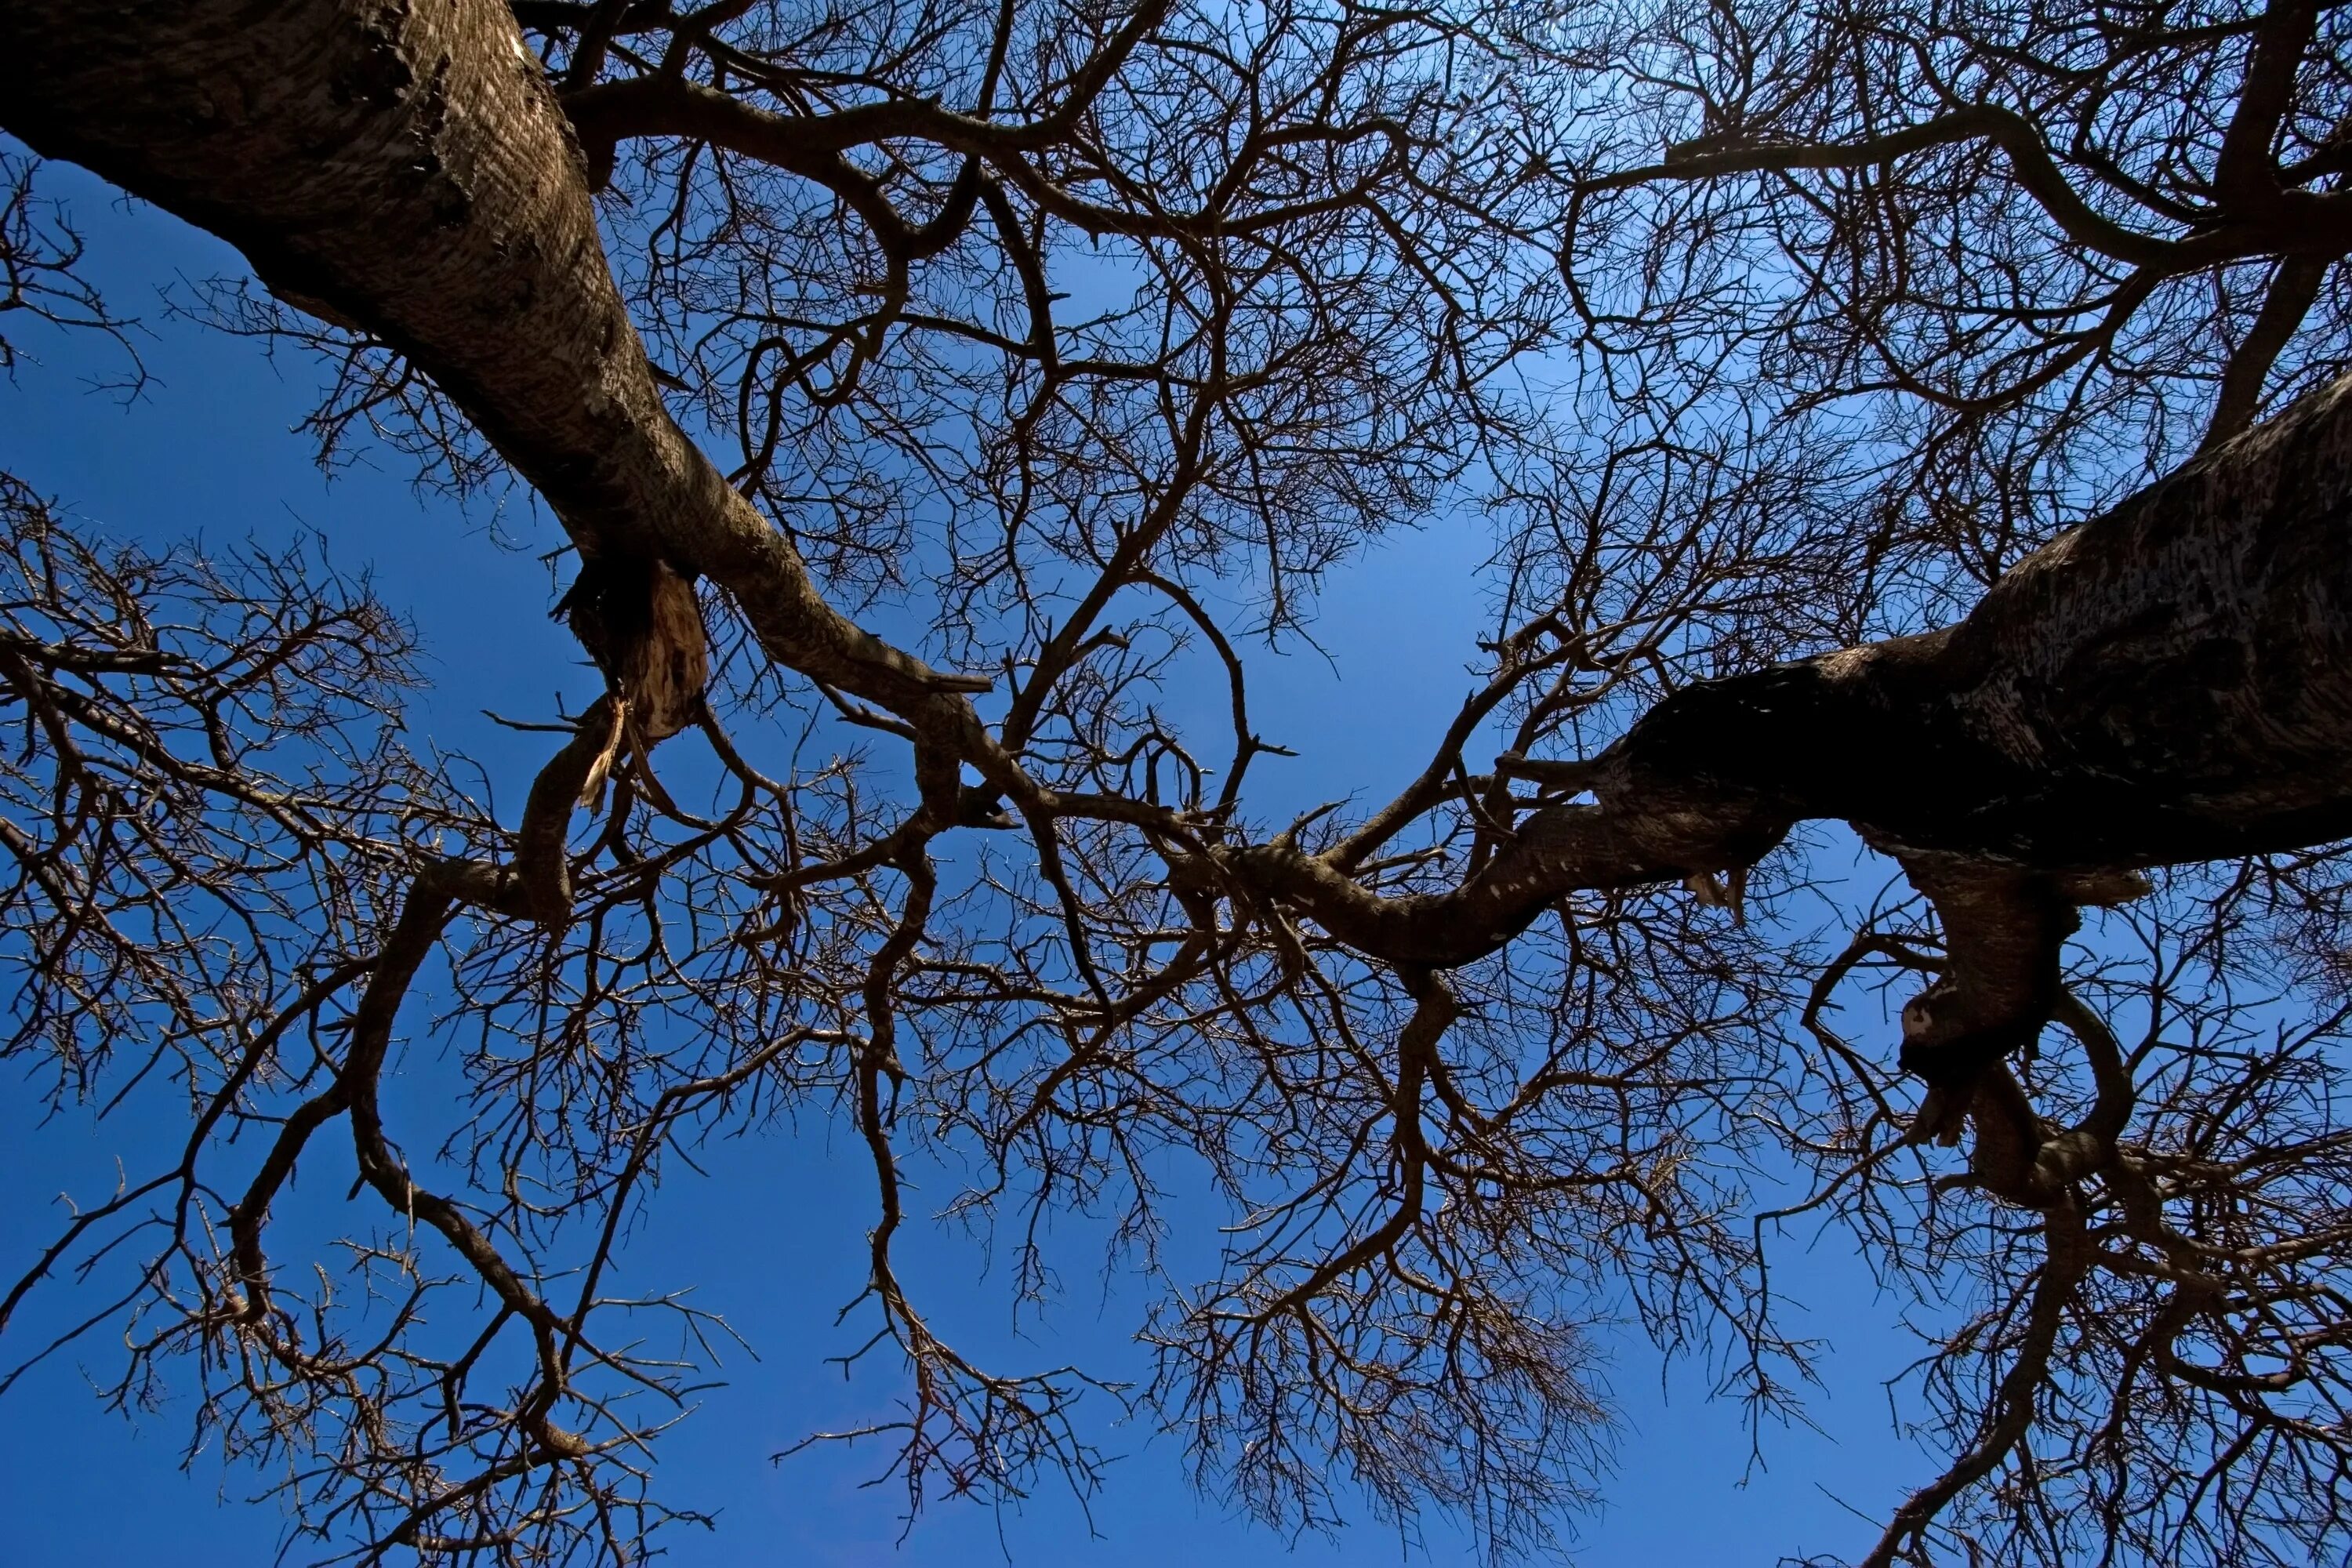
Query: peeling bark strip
pixel 404 163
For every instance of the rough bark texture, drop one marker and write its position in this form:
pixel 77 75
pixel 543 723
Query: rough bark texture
pixel 2168 683
pixel 404 163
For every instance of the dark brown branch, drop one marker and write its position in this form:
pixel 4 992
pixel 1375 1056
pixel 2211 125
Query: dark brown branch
pixel 2245 175
pixel 2029 161
pixel 2294 287
pixel 2068 1261
pixel 481 263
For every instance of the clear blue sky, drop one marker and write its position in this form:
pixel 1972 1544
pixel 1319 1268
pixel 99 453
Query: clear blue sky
pixel 769 1233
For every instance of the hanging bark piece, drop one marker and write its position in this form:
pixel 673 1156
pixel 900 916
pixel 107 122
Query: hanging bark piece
pixel 641 623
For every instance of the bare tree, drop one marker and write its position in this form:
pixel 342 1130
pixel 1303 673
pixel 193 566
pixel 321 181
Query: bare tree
pixel 1083 343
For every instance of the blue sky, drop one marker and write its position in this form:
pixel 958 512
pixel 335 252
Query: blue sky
pixel 769 1233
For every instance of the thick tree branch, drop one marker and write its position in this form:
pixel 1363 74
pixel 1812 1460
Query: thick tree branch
pixel 2294 287
pixel 2245 175
pixel 2030 162
pixel 410 167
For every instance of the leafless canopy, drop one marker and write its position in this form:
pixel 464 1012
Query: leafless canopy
pixel 1074 348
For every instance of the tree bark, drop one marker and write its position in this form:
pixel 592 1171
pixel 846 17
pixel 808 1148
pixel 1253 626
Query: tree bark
pixel 2169 682
pixel 405 163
